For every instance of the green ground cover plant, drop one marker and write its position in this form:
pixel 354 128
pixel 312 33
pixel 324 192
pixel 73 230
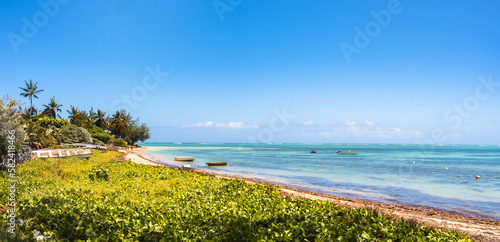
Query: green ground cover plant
pixel 100 199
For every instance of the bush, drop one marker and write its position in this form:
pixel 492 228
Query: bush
pixel 11 133
pixel 74 134
pixel 120 142
pixel 99 173
pixel 47 121
pixel 97 142
pixel 98 133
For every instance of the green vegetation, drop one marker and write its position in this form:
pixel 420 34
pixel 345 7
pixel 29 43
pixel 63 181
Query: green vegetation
pixel 45 130
pixel 74 134
pixel 103 200
pixel 120 142
pixel 47 121
pixel 99 134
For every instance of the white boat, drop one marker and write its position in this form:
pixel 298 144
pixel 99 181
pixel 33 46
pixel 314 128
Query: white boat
pixel 60 153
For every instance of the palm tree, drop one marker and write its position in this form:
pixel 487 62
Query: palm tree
pixel 53 107
pixel 75 116
pixel 30 91
pixel 101 119
pixel 121 122
pixel 88 122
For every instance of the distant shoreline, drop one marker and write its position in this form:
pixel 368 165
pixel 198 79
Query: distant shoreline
pixel 478 228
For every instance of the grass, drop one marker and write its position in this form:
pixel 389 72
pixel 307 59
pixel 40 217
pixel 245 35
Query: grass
pixel 99 199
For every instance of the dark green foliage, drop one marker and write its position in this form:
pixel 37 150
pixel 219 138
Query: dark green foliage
pixel 73 134
pixel 121 123
pixel 138 133
pixel 98 133
pixel 99 173
pixel 120 142
pixel 47 121
pixel 141 203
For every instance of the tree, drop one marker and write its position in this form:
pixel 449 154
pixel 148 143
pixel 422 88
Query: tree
pixel 137 133
pixel 75 116
pixel 53 107
pixel 30 91
pixel 121 122
pixel 101 119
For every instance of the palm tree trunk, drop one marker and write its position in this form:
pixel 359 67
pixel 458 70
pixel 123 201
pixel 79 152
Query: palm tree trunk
pixel 31 105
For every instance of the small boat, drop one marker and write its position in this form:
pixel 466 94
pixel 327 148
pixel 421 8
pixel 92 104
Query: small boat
pixel 347 153
pixel 313 151
pixel 60 153
pixel 186 159
pixel 216 163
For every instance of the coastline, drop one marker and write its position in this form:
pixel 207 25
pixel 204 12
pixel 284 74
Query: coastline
pixel 479 229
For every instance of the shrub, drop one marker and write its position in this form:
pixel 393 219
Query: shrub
pixel 11 133
pixel 120 142
pixel 98 133
pixel 47 121
pixel 74 134
pixel 99 173
pixel 97 142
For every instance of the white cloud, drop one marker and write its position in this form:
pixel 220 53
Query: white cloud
pixel 308 123
pixel 326 100
pixel 369 123
pixel 237 125
pixel 199 125
pixel 351 123
pixel 230 125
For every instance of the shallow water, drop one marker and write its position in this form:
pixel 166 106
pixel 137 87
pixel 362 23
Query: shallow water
pixel 405 174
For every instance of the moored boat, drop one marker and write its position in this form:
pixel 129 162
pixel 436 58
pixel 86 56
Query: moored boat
pixel 60 153
pixel 347 153
pixel 186 159
pixel 313 151
pixel 216 163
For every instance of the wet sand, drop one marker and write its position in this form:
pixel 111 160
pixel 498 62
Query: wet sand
pixel 478 229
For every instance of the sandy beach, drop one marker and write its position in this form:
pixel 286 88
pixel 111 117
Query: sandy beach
pixel 477 228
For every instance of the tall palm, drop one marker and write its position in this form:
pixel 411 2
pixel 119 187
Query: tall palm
pixel 121 122
pixel 53 107
pixel 101 119
pixel 30 91
pixel 75 116
pixel 89 122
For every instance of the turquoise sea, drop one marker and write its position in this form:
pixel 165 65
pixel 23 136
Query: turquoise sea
pixel 438 176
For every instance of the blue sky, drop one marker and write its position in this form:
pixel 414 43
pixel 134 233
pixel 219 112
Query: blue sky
pixel 260 71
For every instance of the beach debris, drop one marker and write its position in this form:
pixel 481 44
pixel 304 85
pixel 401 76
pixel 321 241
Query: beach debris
pixel 478 177
pixel 446 168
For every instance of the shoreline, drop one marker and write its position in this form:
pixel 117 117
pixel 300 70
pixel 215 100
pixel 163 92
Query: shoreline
pixel 480 229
